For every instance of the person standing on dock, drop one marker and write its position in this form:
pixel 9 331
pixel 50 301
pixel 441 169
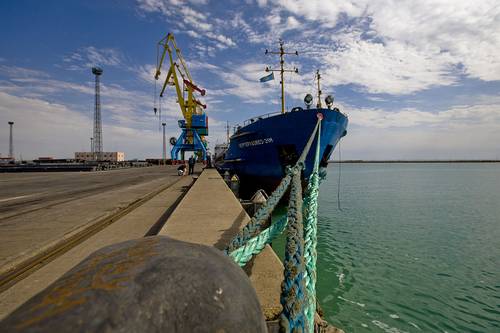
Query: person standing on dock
pixel 191 162
pixel 209 161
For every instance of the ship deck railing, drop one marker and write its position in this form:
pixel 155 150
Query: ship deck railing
pixel 264 116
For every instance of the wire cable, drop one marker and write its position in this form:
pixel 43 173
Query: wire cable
pixel 340 172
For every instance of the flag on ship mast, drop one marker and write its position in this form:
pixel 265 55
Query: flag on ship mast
pixel 267 77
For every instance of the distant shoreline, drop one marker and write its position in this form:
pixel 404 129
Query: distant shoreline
pixel 417 161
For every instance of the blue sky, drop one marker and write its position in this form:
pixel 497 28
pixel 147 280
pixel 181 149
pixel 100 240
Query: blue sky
pixel 418 79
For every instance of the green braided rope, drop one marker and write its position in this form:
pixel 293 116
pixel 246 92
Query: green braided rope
pixel 298 295
pixel 293 293
pixel 255 245
pixel 254 226
pixel 310 237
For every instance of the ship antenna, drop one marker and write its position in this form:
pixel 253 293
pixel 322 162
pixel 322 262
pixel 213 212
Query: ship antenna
pixel 227 131
pixel 282 70
pixel 318 77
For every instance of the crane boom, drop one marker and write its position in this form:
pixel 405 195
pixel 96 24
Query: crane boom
pixel 188 107
pixel 195 123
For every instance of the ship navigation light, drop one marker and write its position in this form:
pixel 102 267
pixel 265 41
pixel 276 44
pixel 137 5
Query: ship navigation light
pixel 308 100
pixel 329 101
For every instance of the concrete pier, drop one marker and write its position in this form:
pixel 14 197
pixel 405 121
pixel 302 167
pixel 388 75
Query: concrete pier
pixel 206 213
pixel 210 214
pixel 37 210
pixel 144 220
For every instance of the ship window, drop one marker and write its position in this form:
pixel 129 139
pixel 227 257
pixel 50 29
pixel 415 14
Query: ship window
pixel 326 156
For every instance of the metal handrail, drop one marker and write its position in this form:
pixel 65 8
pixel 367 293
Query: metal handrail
pixel 268 115
pixel 264 116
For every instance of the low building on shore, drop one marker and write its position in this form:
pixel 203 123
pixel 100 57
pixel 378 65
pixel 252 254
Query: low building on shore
pixel 113 156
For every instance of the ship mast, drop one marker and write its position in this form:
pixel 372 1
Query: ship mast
pixel 282 70
pixel 318 77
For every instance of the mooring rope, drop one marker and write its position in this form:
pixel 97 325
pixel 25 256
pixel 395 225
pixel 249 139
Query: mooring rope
pixel 298 289
pixel 255 245
pixel 264 212
pixel 293 293
pixel 310 235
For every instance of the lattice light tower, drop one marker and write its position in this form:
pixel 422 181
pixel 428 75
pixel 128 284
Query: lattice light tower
pixel 97 116
pixel 164 145
pixel 11 141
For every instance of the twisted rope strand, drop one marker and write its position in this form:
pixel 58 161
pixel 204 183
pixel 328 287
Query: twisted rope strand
pixel 254 246
pixel 293 295
pixel 310 237
pixel 298 289
pixel 254 226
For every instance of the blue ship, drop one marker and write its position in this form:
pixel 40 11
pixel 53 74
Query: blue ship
pixel 261 149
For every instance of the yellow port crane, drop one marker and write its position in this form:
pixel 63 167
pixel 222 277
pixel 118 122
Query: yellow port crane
pixel 194 126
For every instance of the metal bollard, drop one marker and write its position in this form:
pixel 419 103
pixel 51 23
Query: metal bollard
pixel 235 185
pixel 152 284
pixel 259 199
pixel 227 177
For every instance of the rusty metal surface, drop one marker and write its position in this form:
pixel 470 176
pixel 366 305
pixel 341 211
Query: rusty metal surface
pixel 149 285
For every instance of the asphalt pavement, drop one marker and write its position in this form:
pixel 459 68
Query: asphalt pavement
pixel 38 209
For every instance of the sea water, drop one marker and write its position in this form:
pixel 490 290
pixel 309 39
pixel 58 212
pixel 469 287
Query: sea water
pixel 415 247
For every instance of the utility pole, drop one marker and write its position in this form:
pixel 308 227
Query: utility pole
pixel 11 141
pixel 92 146
pixel 282 71
pixel 318 77
pixel 97 116
pixel 164 145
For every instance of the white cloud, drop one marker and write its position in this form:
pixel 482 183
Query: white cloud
pixel 278 25
pixel 461 116
pixel 88 57
pixel 389 67
pixel 193 34
pixel 147 72
pixel 52 129
pixel 324 12
pixel 459 132
pixel 108 57
pixel 239 24
pixel 226 41
pixel 20 72
pixel 402 47
pixel 191 21
pixel 467 30
pixel 122 106
pixel 42 128
pixel 198 65
pixel 244 82
pixel 420 143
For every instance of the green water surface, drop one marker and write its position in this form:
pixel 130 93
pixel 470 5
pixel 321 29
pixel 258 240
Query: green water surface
pixel 414 248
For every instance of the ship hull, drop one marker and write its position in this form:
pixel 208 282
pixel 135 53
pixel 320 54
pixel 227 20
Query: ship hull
pixel 259 152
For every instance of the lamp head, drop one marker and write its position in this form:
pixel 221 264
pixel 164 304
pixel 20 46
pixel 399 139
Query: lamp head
pixel 329 101
pixel 308 100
